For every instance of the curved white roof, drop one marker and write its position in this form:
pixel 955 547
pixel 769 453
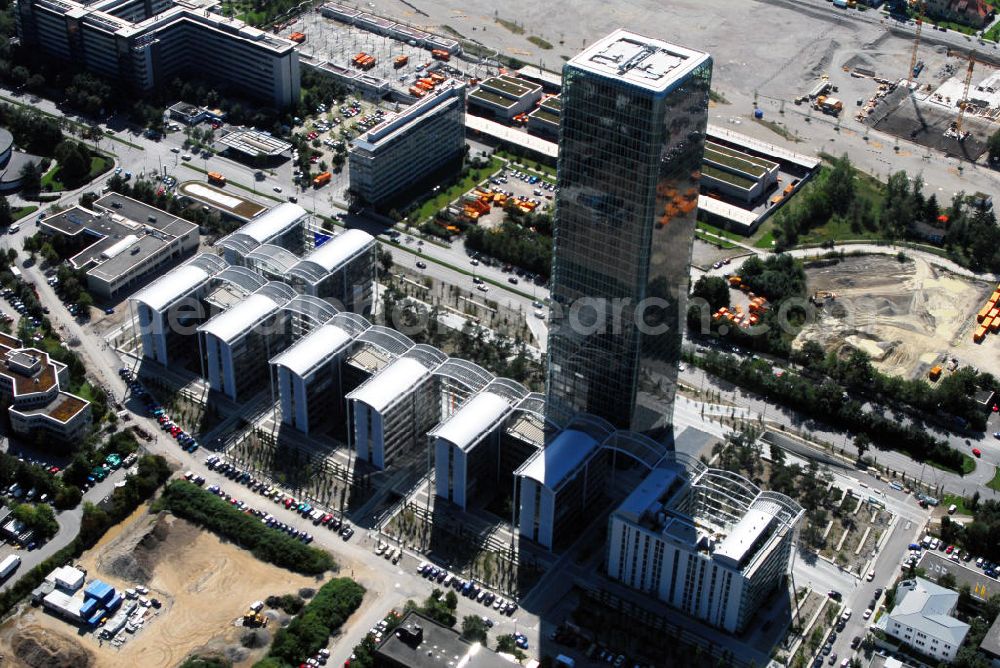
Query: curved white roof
pixel 313 350
pixel 476 417
pixel 553 463
pixel 240 318
pixel 272 222
pixel 332 255
pixel 172 285
pixel 390 383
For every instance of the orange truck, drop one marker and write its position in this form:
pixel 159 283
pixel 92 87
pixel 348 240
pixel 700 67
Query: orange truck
pixel 322 179
pixel 417 92
pixel 400 61
pixel 216 178
pixel 298 37
pixel 440 54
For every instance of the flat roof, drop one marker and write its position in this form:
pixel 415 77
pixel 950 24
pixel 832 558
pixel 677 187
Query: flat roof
pixel 477 417
pixel 492 98
pixel 176 283
pixel 538 74
pixel 392 382
pixel 439 647
pixel 63 408
pixel 234 205
pixel 509 85
pixel 742 537
pixel 395 124
pixel 726 210
pixel 551 464
pixel 313 349
pixel 242 317
pixel 778 153
pixel 508 134
pixel 254 143
pixel 991 641
pixel 649 492
pixel 728 177
pixel 640 61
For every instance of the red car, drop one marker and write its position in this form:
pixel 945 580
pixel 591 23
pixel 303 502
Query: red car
pixel 54 470
pixel 314 159
pixel 950 549
pixel 977 452
pixel 313 135
pixel 326 518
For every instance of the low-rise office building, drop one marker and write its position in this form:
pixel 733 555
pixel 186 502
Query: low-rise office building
pixel 341 271
pixel 31 388
pixel 237 343
pixel 990 646
pixel 705 541
pixel 392 412
pixel 122 242
pixel 285 226
pixel 420 642
pixel 504 97
pixel 393 161
pixel 736 174
pixel 145 45
pixel 170 308
pixel 922 619
pixel 310 373
pixel 544 119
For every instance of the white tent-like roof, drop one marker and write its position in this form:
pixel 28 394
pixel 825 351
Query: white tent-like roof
pixel 332 255
pixel 179 282
pixel 554 462
pixel 313 350
pixel 394 381
pixel 478 416
pixel 241 318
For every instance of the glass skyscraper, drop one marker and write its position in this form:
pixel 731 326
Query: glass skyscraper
pixel 634 113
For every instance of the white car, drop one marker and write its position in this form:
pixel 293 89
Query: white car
pixel 868 613
pixel 277 189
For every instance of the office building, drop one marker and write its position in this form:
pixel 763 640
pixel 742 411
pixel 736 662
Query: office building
pixel 341 270
pixel 145 45
pixel 392 412
pixel 922 619
pixel 122 242
pixel 504 97
pixel 634 112
pixel 467 447
pixel 283 226
pixel 310 373
pixel 31 389
pixel 237 343
pixel 544 119
pixel 743 177
pixel 420 642
pixel 990 646
pixel 705 541
pixel 170 308
pixel 391 163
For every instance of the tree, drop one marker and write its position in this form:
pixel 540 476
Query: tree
pixel 474 629
pixel 6 217
pixel 384 260
pixel 508 645
pixel 993 147
pixel 74 161
pixel 947 580
pixel 862 442
pixel 713 289
pixel 31 178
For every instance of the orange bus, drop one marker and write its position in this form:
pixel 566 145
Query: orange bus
pixel 322 179
pixel 216 178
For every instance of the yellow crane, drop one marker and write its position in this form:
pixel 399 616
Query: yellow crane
pixel 964 102
pixel 921 7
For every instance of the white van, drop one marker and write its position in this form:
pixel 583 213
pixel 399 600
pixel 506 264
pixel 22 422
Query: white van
pixel 14 229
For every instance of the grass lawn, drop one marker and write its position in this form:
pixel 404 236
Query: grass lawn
pixel 766 240
pixel 968 466
pixel 957 27
pixel 477 174
pixel 835 230
pixel 21 212
pixel 995 483
pixel 51 180
pixel 958 501
pixel 715 241
pixel 719 232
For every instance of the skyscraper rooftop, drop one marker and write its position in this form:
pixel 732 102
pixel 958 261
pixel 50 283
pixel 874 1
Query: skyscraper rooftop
pixel 642 61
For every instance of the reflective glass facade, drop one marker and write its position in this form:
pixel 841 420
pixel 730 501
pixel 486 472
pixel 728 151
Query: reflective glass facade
pixel 629 159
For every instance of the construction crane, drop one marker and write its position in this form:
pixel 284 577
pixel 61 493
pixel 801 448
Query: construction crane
pixel 964 102
pixel 916 44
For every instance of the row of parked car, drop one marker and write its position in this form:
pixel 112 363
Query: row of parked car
pixel 956 554
pixel 316 515
pixel 467 588
pixel 184 439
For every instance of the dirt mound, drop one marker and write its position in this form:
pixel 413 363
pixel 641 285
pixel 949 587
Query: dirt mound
pixel 135 557
pixel 40 648
pixel 255 638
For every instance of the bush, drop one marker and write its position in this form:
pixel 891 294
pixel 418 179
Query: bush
pixel 325 613
pixel 206 509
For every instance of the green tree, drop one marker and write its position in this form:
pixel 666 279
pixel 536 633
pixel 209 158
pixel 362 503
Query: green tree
pixel 947 581
pixel 474 629
pixel 713 289
pixel 31 178
pixel 6 216
pixel 74 161
pixel 993 147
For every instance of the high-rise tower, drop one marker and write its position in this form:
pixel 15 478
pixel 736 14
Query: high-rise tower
pixel 634 112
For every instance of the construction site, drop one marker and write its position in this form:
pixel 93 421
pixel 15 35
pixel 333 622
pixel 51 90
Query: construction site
pixel 909 316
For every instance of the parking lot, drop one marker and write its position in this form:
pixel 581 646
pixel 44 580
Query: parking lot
pixel 937 563
pixel 529 190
